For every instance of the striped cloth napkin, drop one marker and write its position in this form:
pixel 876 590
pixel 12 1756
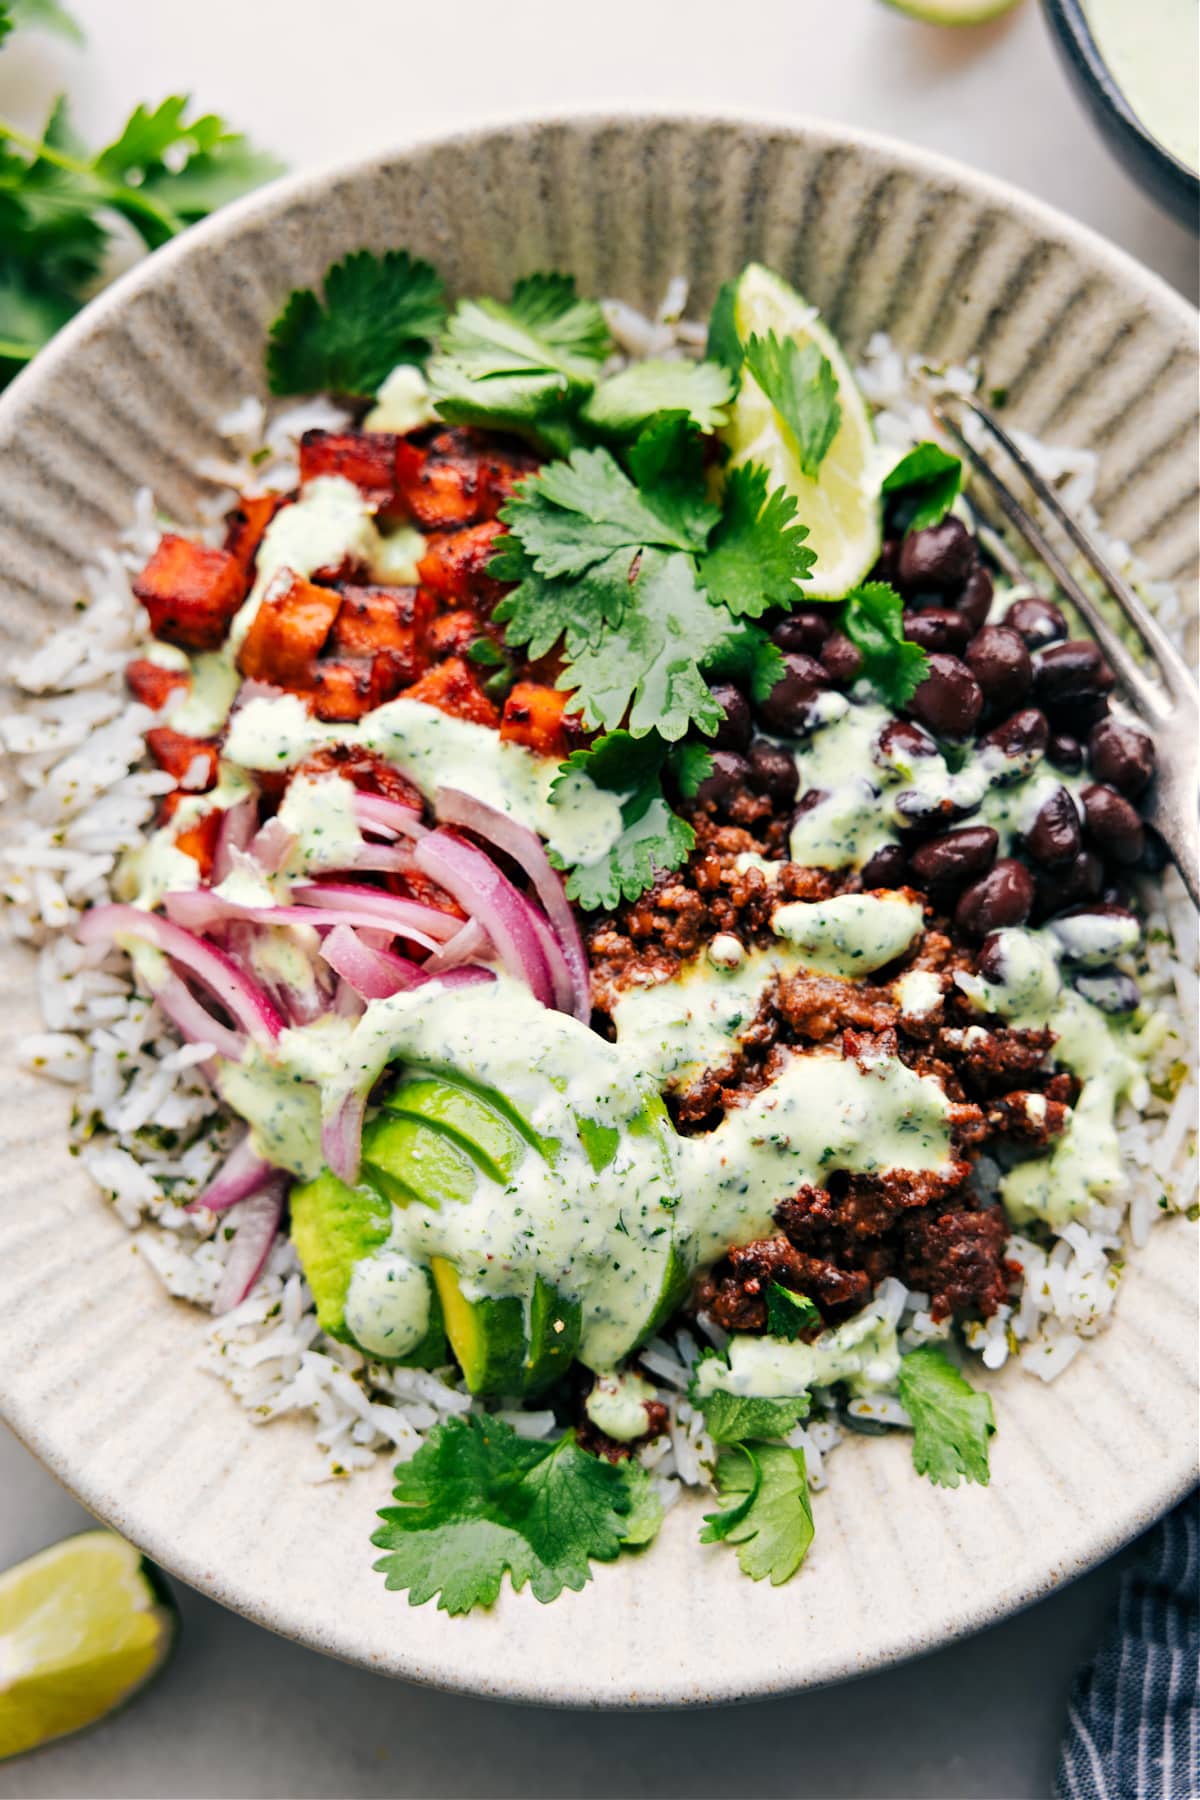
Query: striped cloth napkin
pixel 1134 1716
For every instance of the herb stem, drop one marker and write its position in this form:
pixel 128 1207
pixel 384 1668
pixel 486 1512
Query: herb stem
pixel 124 199
pixel 13 351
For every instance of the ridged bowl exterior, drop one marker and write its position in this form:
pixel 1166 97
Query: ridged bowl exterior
pixel 98 1367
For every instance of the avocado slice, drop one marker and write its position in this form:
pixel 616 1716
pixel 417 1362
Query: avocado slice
pixel 486 1336
pixel 554 1327
pixel 334 1228
pixel 481 1128
pixel 409 1160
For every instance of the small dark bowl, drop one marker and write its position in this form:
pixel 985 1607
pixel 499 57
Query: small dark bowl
pixel 1162 175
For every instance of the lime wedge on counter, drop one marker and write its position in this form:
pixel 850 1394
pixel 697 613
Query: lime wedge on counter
pixel 840 504
pixel 953 12
pixel 83 1625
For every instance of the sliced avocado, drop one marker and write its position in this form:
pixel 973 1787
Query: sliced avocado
pixel 480 1127
pixel 487 1336
pixel 554 1327
pixel 495 1103
pixel 428 1164
pixel 335 1227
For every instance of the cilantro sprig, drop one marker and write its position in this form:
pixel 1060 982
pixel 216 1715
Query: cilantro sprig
pixel 872 616
pixel 165 169
pixel 951 1421
pixel 478 1502
pixel 789 1314
pixel 799 381
pixel 768 1518
pixel 378 311
pixel 924 486
pixel 653 838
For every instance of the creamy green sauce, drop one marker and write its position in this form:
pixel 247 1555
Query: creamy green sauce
pixel 402 403
pixel 1108 1055
pixel 617 1406
pixel 156 867
pixel 387 1303
pixel 320 814
pixel 204 708
pixel 863 1353
pixel 853 934
pixel 1151 48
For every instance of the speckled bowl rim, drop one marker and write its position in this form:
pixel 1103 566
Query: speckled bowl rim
pixel 1094 1541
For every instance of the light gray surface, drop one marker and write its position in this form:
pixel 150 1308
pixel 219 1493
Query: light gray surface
pixel 241 1713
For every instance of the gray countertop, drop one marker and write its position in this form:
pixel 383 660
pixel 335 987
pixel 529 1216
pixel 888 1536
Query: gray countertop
pixel 240 1713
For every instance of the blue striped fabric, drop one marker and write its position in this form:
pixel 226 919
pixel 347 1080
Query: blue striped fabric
pixel 1134 1717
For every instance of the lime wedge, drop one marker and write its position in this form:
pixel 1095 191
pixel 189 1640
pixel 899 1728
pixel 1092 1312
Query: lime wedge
pixel 841 504
pixel 82 1627
pixel 953 12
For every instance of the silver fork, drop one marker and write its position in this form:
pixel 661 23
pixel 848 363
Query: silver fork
pixel 1169 706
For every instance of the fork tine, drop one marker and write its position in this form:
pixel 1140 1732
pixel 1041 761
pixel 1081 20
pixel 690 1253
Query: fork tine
pixel 1175 673
pixel 1149 699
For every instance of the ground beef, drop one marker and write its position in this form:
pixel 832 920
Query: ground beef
pixel 957 1258
pixel 734 1291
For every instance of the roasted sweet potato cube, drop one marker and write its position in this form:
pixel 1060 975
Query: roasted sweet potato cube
pixel 192 761
pixel 245 525
pixel 454 633
pixel 371 619
pixel 367 458
pixel 345 689
pixel 536 716
pixel 455 478
pixel 199 841
pixel 191 592
pixel 288 631
pixel 454 566
pixel 153 685
pixel 454 688
pixel 364 770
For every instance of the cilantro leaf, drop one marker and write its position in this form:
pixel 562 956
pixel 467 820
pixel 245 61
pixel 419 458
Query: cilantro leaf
pixel 724 345
pixel 667 458
pixel 572 513
pixel 477 1502
pixel 951 1421
pixel 929 479
pixel 690 764
pixel 626 402
pixel 771 1525
pixel 789 1314
pixel 736 1418
pixel 873 618
pixel 526 366
pixel 757 553
pixel 653 838
pixel 800 384
pixel 748 657
pixel 378 311
pixel 188 167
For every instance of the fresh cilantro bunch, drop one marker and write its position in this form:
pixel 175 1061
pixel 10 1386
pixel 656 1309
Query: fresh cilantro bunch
pixel 478 1502
pixel 59 200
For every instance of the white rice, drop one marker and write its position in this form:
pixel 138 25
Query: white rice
pixel 150 1131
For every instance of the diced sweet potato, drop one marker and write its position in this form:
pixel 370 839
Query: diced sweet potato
pixel 453 478
pixel 454 688
pixel 346 689
pixel 288 631
pixel 536 716
pixel 192 761
pixel 367 458
pixel 414 886
pixel 191 592
pixel 453 634
pixel 371 619
pixel 153 685
pixel 198 841
pixel 454 566
pixel 364 770
pixel 245 525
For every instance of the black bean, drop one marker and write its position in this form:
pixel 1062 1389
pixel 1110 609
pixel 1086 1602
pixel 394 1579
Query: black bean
pixel 1075 881
pixel 1072 671
pixel 1121 755
pixel 1039 622
pixel 949 699
pixel 1077 718
pixel 901 740
pixel 729 774
pixel 788 707
pixel 991 962
pixel 975 601
pixel 1113 825
pixel 1002 898
pixel 955 857
pixel 1056 835
pixel 889 559
pixel 936 560
pixel 1021 738
pixel 804 630
pixel 1109 989
pixel 888 868
pixel 1065 752
pixel 923 812
pixel 809 798
pixel 733 733
pixel 938 628
pixel 841 659
pixel 773 771
pixel 1001 665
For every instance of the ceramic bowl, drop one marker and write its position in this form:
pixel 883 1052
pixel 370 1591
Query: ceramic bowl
pixel 1156 169
pixel 98 1368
